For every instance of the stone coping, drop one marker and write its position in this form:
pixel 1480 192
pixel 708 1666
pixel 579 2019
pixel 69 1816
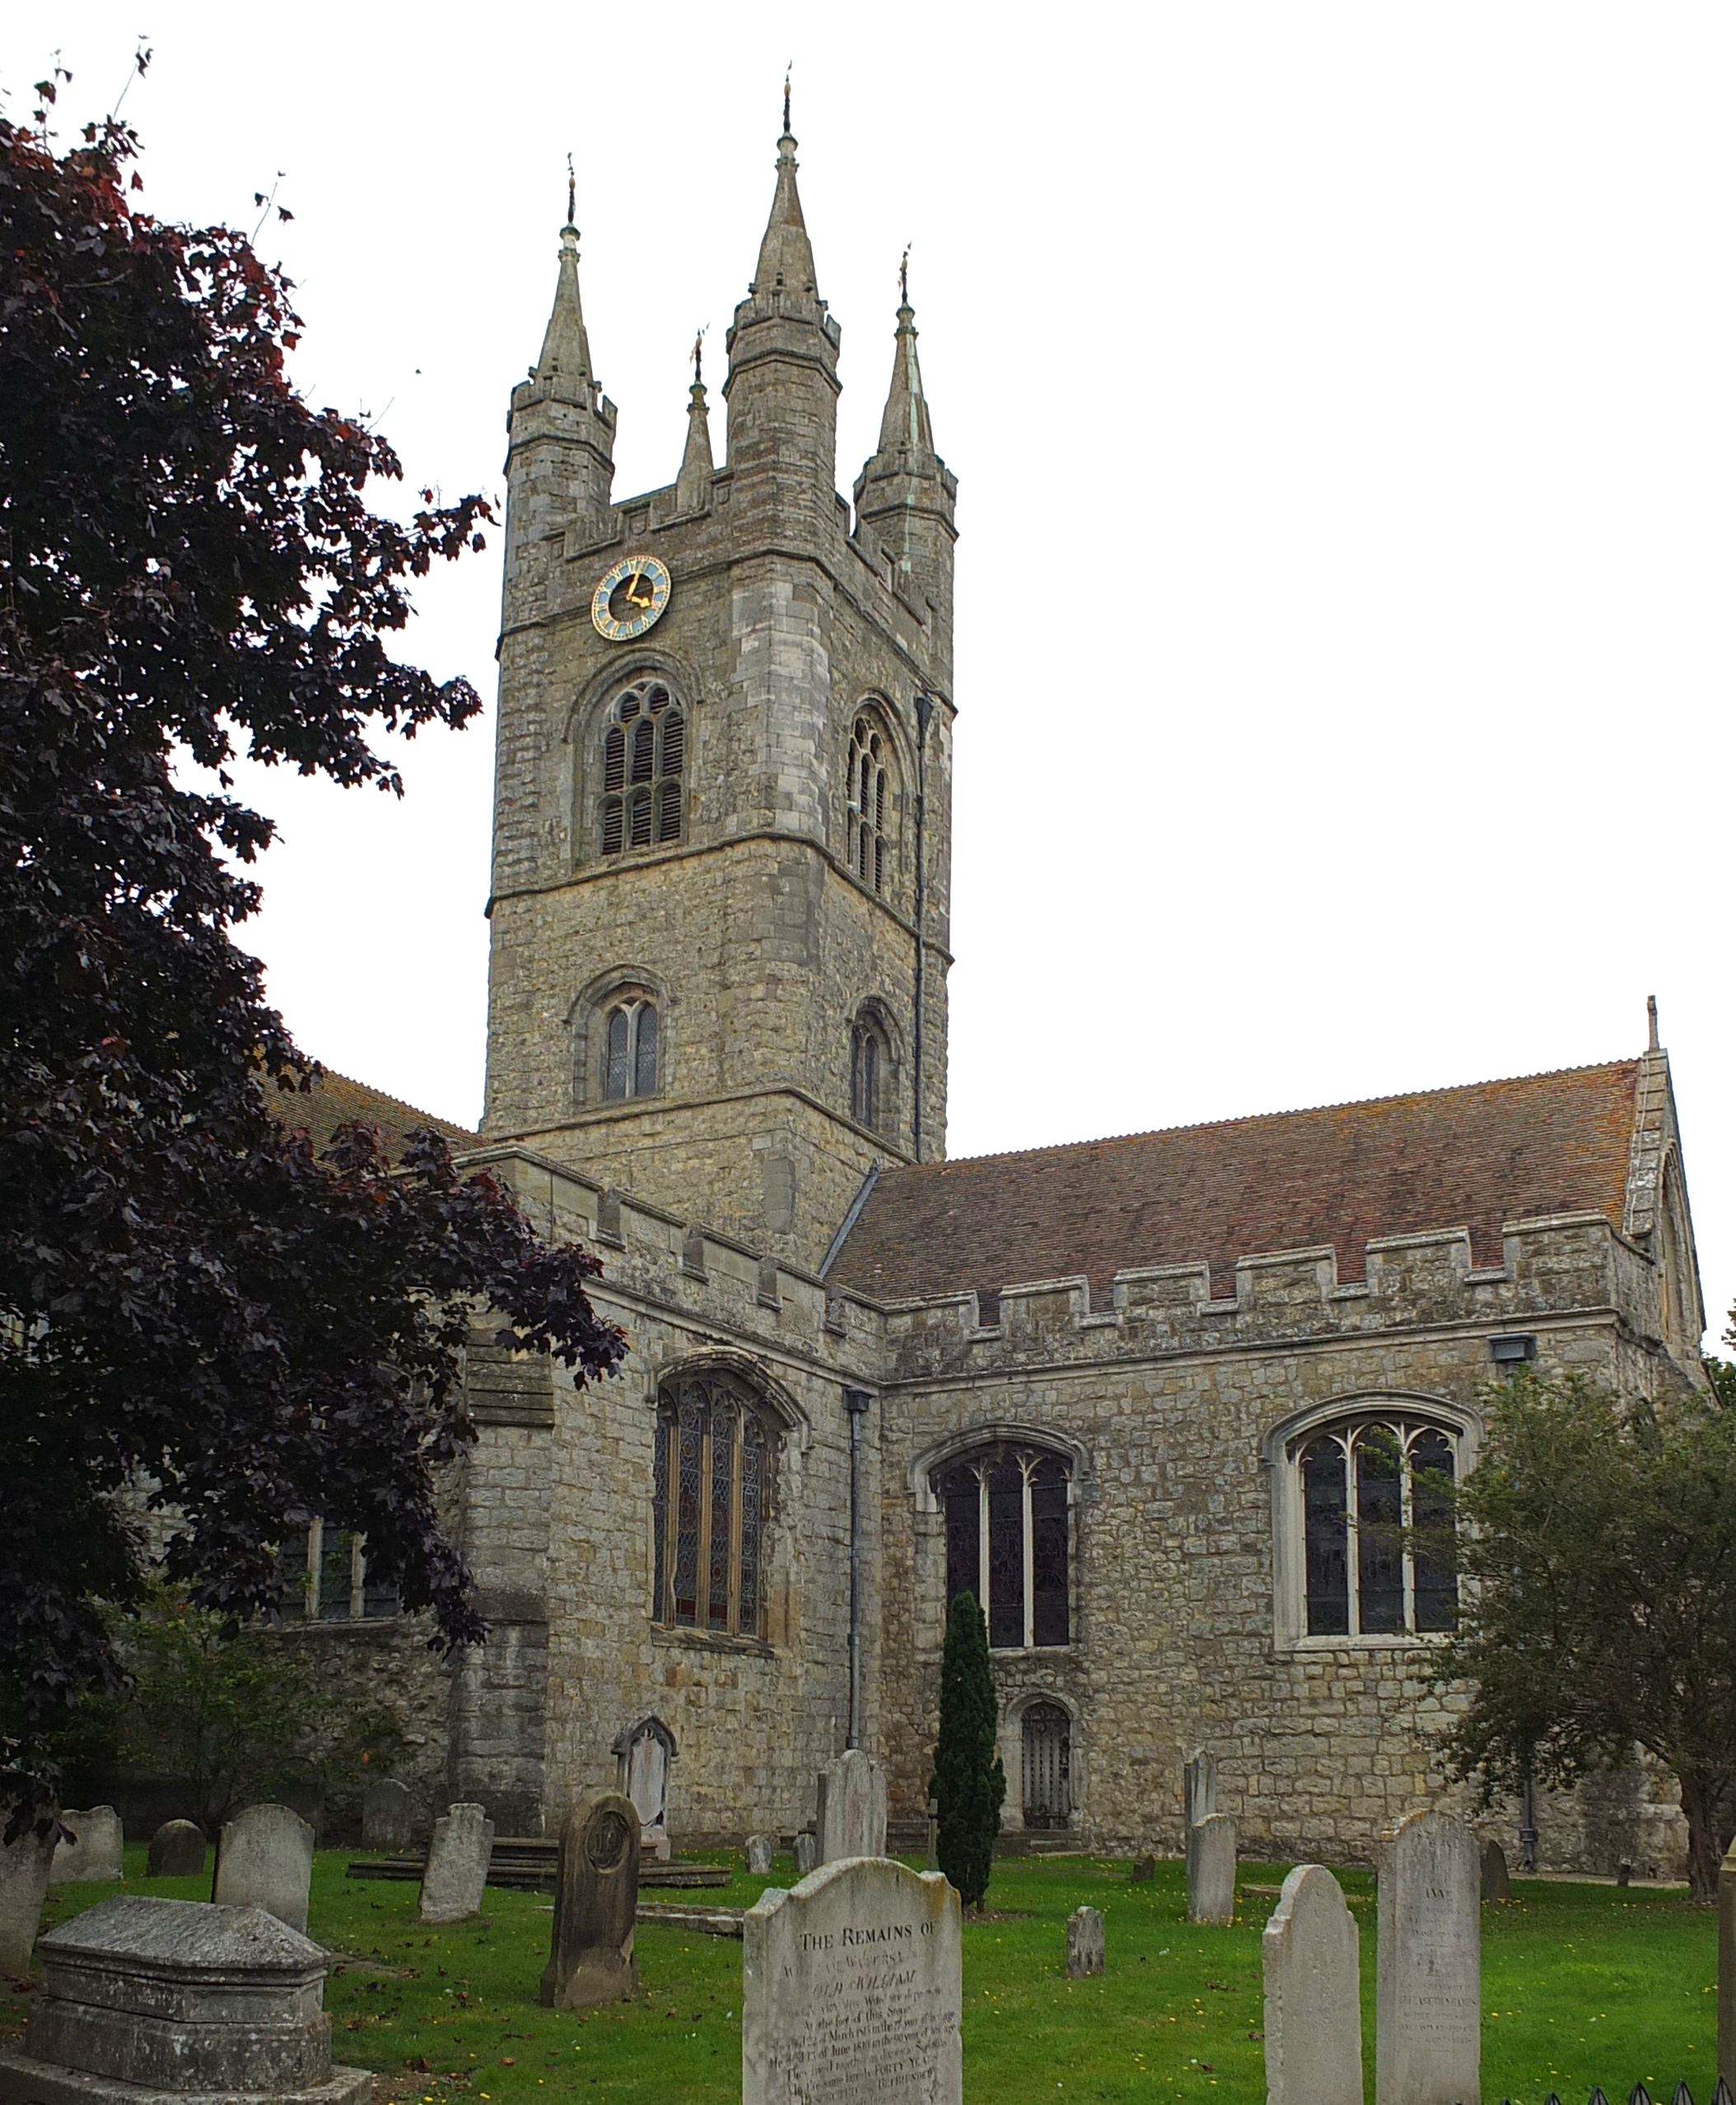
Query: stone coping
pixel 26 2081
pixel 195 1941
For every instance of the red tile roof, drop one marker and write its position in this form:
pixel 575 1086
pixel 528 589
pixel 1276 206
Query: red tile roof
pixel 335 1100
pixel 1450 1158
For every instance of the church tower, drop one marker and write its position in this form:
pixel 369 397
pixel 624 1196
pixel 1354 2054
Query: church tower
pixel 722 828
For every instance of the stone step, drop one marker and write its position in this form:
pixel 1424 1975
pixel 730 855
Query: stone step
pixel 530 1868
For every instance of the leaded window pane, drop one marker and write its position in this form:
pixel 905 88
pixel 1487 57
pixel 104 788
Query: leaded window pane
pixel 723 1472
pixel 1325 1522
pixel 378 1595
pixel 753 1521
pixel 1434 1586
pixel 1379 1515
pixel 962 1494
pixel 617 1072
pixel 1048 1554
pixel 689 1493
pixel 645 1052
pixel 660 1512
pixel 335 1553
pixel 1006 1555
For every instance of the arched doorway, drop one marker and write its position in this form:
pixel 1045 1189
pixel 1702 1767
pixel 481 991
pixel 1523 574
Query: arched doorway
pixel 1047 1746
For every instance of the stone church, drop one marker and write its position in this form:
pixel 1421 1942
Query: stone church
pixel 1147 1397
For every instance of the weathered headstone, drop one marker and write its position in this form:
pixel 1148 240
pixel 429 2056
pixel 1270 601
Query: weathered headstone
pixel 1727 1967
pixel 1199 1787
pixel 1085 1942
pixel 591 1958
pixel 807 1852
pixel 852 1986
pixel 1496 1884
pixel 90 1847
pixel 23 1886
pixel 177 1851
pixel 1428 1965
pixel 460 1852
pixel 385 1815
pixel 1212 1870
pixel 265 1859
pixel 850 1807
pixel 143 1997
pixel 758 1854
pixel 1313 2005
pixel 642 1755
pixel 1142 1871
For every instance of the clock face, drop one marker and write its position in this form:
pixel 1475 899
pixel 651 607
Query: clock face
pixel 631 595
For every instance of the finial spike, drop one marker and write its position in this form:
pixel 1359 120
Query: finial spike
pixel 572 191
pixel 904 276
pixel 1651 1020
pixel 699 351
pixel 788 70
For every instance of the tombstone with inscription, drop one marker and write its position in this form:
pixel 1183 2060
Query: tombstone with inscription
pixel 90 1848
pixel 265 1859
pixel 1085 1942
pixel 177 1850
pixel 1314 2005
pixel 591 1956
pixel 850 1806
pixel 852 1986
pixel 642 1755
pixel 757 1850
pixel 1497 1886
pixel 460 1852
pixel 806 1846
pixel 1428 1965
pixel 385 1815
pixel 1212 1870
pixel 23 1887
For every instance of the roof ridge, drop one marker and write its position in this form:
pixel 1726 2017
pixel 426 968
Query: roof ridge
pixel 402 1103
pixel 1261 1118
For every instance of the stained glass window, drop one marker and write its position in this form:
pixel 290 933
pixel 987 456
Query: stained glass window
pixel 1325 1509
pixel 709 1556
pixel 1007 1542
pixel 1049 1553
pixel 1377 1522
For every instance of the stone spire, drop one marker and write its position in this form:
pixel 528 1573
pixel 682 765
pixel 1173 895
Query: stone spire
pixel 566 346
pixel 693 485
pixel 786 255
pixel 904 426
pixel 904 496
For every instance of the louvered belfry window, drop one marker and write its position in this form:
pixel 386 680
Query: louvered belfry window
pixel 868 800
pixel 711 1488
pixel 644 770
pixel 630 1049
pixel 1006 1513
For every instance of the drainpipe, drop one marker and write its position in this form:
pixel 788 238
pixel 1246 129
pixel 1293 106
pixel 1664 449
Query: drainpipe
pixel 856 1403
pixel 925 707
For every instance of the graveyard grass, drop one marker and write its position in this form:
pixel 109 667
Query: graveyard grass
pixel 1581 1985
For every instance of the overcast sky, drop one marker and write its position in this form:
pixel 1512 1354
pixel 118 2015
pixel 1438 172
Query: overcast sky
pixel 1363 374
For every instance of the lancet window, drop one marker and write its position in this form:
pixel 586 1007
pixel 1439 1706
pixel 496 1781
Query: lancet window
pixel 1378 1528
pixel 644 769
pixel 630 1049
pixel 324 1577
pixel 869 1066
pixel 1007 1541
pixel 869 814
pixel 711 1490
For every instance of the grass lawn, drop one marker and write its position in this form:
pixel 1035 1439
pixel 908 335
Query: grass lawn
pixel 1581 1985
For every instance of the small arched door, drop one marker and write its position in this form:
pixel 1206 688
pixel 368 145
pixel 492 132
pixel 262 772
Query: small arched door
pixel 1047 1750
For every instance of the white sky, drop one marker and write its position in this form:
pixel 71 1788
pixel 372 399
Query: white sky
pixel 1363 376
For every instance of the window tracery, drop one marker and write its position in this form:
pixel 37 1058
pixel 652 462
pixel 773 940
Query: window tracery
pixel 644 768
pixel 711 1497
pixel 630 1035
pixel 1377 1521
pixel 1007 1541
pixel 869 796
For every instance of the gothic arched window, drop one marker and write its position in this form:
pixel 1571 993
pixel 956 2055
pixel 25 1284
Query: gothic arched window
pixel 1377 1522
pixel 1006 1541
pixel 644 768
pixel 869 1072
pixel 868 803
pixel 711 1490
pixel 630 1048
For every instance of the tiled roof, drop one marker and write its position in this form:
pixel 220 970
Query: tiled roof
pixel 335 1100
pixel 1450 1158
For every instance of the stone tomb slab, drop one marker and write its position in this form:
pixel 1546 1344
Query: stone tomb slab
pixel 757 1850
pixel 91 1848
pixel 1428 1965
pixel 177 1851
pixel 1313 2003
pixel 851 1984
pixel 265 1859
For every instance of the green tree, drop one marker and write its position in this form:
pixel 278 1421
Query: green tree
pixel 968 1785
pixel 1596 1535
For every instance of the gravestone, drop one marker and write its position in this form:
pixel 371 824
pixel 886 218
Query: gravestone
pixel 642 1755
pixel 850 1807
pixel 807 1852
pixel 385 1815
pixel 265 1859
pixel 1314 2005
pixel 591 1958
pixel 177 1851
pixel 460 1852
pixel 1085 1942
pixel 143 1997
pixel 23 1886
pixel 90 1847
pixel 1199 1787
pixel 759 1852
pixel 1142 1871
pixel 851 1989
pixel 1727 1967
pixel 934 1836
pixel 1212 1870
pixel 1428 1963
pixel 1496 1884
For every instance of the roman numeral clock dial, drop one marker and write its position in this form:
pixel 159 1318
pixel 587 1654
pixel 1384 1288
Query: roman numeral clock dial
pixel 631 595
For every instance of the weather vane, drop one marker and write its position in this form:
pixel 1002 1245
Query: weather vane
pixel 698 351
pixel 904 276
pixel 571 190
pixel 788 70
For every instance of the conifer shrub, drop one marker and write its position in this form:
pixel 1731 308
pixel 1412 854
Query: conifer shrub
pixel 968 1785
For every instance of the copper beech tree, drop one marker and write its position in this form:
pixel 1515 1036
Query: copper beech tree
pixel 197 1313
